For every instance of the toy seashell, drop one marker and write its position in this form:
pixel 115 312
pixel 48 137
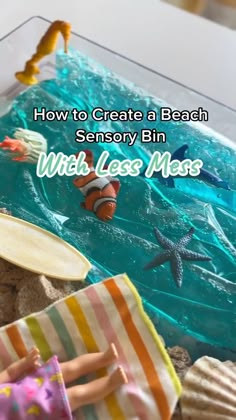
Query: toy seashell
pixel 209 391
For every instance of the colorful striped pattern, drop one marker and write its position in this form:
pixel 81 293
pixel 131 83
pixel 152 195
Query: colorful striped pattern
pixel 110 311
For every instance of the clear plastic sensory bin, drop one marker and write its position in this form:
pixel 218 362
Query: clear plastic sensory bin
pixel 199 315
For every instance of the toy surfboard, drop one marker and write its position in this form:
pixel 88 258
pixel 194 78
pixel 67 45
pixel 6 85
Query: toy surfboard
pixel 39 251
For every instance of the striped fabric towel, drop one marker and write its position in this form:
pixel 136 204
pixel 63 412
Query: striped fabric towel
pixel 110 311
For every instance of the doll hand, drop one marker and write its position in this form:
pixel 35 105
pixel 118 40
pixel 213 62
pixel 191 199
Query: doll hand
pixel 32 359
pixel 21 367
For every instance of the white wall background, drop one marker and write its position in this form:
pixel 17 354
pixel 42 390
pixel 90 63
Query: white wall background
pixel 184 47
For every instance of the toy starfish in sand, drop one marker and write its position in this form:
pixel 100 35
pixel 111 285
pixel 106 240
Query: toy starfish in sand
pixel 175 253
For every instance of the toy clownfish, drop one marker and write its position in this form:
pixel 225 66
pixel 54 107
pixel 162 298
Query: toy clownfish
pixel 100 192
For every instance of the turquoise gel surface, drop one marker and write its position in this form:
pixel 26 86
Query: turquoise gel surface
pixel 204 308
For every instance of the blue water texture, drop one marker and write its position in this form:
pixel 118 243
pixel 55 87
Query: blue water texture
pixel 203 309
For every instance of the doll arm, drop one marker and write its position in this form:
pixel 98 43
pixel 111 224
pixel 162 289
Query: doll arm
pixel 20 367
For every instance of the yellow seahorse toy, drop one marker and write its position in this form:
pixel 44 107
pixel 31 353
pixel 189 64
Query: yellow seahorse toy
pixel 46 46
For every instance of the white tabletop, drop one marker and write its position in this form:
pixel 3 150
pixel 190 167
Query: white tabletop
pixel 188 49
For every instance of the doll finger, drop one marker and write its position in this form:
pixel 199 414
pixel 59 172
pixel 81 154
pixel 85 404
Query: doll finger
pixel 38 364
pixel 35 351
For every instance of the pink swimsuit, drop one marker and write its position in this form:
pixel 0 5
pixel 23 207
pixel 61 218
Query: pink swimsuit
pixel 40 395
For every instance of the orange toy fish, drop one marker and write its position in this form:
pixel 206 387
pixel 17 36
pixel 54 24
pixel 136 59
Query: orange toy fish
pixel 100 192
